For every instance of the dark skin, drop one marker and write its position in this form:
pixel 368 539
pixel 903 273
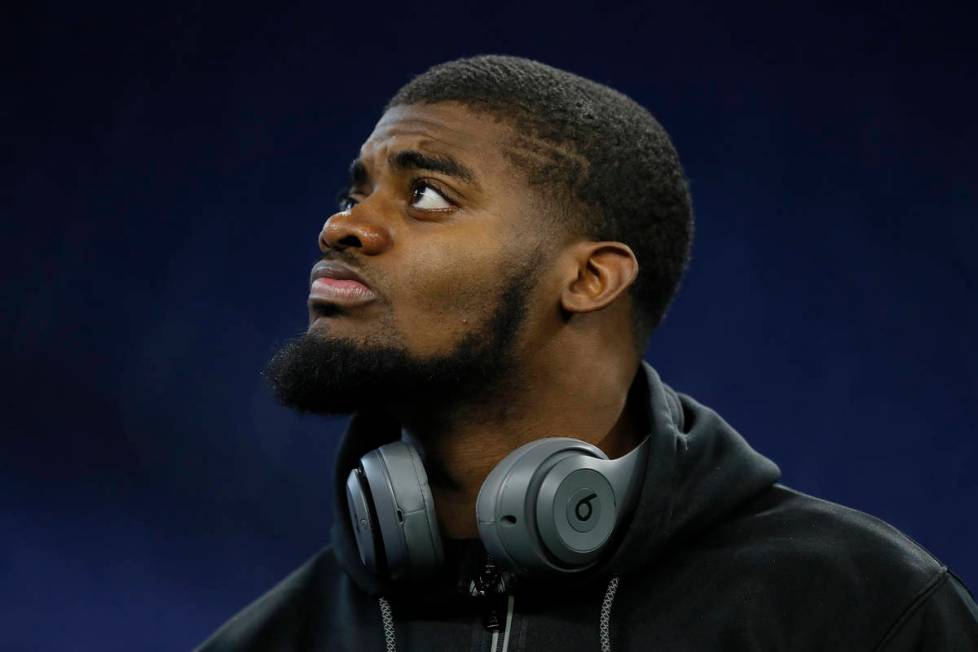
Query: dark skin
pixel 431 244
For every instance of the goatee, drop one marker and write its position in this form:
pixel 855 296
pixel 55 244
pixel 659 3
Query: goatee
pixel 334 376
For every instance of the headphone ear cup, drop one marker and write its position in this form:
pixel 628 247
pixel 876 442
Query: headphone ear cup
pixel 363 518
pixel 399 494
pixel 533 506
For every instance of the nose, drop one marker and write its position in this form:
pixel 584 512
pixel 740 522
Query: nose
pixel 349 228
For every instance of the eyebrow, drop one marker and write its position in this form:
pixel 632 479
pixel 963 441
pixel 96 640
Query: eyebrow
pixel 409 159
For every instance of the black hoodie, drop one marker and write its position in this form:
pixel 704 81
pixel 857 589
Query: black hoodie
pixel 718 556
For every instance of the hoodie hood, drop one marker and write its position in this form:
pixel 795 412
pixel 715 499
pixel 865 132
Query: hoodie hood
pixel 699 469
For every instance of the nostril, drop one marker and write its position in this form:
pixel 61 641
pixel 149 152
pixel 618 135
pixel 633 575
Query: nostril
pixel 350 241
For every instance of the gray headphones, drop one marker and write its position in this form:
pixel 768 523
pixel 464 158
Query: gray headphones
pixel 548 508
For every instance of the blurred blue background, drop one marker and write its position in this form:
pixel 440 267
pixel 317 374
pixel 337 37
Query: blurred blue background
pixel 167 168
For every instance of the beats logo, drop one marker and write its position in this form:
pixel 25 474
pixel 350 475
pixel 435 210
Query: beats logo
pixel 583 509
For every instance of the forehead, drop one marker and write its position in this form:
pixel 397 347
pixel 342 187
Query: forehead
pixel 476 139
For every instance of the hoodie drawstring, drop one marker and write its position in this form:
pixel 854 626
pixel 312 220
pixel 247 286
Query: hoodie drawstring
pixel 385 615
pixel 604 627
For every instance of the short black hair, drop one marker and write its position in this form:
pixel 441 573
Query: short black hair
pixel 599 151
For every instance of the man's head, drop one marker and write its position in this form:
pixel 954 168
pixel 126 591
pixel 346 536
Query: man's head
pixel 502 211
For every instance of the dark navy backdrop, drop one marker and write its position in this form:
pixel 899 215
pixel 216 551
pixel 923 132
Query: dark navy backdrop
pixel 166 172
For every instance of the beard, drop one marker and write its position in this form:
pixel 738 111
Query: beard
pixel 319 375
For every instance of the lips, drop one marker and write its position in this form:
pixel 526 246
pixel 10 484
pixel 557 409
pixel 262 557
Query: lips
pixel 330 269
pixel 332 282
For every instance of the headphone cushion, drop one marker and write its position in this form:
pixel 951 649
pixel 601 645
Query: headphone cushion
pixel 363 519
pixel 405 510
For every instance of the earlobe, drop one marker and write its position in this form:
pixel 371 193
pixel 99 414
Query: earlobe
pixel 604 271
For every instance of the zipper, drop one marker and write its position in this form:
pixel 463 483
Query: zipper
pixel 510 602
pixel 490 586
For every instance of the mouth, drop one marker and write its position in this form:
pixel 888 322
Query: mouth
pixel 333 283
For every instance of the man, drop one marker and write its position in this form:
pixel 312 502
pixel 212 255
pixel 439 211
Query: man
pixel 510 237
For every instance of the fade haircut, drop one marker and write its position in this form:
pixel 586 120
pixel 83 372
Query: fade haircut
pixel 601 157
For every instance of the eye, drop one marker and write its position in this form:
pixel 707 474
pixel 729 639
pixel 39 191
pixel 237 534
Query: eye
pixel 344 200
pixel 426 198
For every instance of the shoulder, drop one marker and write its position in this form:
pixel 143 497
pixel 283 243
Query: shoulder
pixel 280 618
pixel 889 585
pixel 785 570
pixel 836 567
pixel 836 539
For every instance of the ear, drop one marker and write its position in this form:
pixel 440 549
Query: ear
pixel 601 272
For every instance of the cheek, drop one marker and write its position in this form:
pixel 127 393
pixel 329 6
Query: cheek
pixel 446 292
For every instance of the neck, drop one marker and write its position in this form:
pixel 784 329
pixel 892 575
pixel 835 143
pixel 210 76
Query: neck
pixel 462 446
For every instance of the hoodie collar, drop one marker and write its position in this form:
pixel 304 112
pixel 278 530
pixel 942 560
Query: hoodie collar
pixel 699 469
